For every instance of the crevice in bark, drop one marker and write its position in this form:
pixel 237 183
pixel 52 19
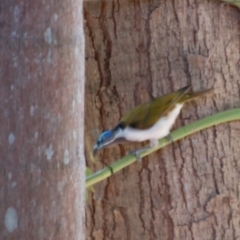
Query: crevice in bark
pixel 181 176
pixel 93 213
pixel 141 204
pixel 152 230
pixel 108 45
pixel 125 216
pixel 168 201
pixel 114 6
pixel 186 68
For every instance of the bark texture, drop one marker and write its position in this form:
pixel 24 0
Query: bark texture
pixel 42 164
pixel 137 50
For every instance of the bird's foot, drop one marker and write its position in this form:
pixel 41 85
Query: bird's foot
pixel 169 138
pixel 137 154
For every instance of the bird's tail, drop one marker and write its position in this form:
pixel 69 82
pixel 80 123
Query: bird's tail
pixel 192 95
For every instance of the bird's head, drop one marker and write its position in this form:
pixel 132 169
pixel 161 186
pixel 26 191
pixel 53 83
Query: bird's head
pixel 108 138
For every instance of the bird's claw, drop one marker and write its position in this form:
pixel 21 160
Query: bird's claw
pixel 137 155
pixel 169 137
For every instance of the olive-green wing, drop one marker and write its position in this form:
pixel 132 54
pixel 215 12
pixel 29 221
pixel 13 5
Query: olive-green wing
pixel 146 115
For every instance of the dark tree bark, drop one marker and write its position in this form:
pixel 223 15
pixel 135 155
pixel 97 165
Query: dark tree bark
pixel 42 177
pixel 137 50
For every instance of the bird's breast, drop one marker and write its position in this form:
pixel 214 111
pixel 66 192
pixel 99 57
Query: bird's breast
pixel 159 130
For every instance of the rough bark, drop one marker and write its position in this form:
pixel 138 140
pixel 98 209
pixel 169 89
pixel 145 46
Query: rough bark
pixel 136 50
pixel 41 114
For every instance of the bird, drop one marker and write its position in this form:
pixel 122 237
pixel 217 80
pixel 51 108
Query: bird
pixel 149 121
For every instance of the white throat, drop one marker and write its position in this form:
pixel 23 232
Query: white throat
pixel 159 130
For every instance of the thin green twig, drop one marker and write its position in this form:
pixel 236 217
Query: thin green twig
pixel 222 117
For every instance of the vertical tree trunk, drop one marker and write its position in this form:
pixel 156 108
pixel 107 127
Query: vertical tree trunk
pixel 137 50
pixel 42 177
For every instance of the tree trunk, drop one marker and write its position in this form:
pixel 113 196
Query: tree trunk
pixel 137 50
pixel 42 164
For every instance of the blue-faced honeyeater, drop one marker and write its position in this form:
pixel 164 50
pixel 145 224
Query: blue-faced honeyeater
pixel 148 121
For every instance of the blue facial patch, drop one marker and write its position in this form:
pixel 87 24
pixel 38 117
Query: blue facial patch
pixel 105 136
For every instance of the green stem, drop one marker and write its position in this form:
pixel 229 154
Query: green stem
pixel 222 117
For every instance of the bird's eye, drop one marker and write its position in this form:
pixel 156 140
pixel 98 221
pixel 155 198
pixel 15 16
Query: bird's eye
pixel 105 136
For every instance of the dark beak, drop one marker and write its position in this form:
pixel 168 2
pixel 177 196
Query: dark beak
pixel 95 149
